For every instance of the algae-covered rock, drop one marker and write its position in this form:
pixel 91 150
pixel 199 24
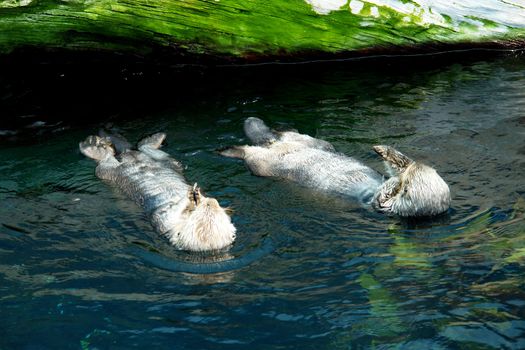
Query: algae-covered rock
pixel 255 30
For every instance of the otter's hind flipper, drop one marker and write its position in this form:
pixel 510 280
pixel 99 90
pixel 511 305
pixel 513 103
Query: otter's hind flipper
pixel 394 159
pixel 154 141
pixel 97 148
pixel 150 147
pixel 258 132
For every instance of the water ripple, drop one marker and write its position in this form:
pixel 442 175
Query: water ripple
pixel 81 265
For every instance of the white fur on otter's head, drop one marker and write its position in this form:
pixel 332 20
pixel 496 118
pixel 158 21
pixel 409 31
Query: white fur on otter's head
pixel 415 189
pixel 197 224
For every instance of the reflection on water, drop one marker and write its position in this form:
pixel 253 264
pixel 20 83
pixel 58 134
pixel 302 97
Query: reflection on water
pixel 80 266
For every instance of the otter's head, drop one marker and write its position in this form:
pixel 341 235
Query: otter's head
pixel 207 226
pixel 414 189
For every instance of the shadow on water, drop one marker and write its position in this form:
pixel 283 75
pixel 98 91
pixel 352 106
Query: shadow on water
pixel 42 95
pixel 80 266
pixel 205 263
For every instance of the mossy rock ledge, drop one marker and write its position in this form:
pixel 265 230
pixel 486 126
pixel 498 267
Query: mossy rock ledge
pixel 245 31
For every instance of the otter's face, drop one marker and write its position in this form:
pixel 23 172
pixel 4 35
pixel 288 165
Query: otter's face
pixel 208 226
pixel 416 190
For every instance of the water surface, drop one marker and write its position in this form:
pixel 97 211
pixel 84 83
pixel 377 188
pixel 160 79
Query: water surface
pixel 81 267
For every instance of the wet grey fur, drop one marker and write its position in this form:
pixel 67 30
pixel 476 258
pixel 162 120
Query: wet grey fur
pixel 414 189
pixel 154 180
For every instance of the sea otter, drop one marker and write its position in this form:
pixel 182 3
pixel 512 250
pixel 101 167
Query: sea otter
pixel 154 180
pixel 413 190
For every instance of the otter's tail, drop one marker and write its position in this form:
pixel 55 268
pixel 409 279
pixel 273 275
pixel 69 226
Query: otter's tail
pixel 258 132
pixel 96 147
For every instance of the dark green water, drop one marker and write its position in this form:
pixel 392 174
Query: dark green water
pixel 80 266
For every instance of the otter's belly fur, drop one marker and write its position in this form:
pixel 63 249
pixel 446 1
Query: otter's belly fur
pixel 151 184
pixel 316 168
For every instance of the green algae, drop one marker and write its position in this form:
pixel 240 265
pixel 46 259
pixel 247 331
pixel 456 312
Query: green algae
pixel 226 28
pixel 406 252
pixel 384 321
